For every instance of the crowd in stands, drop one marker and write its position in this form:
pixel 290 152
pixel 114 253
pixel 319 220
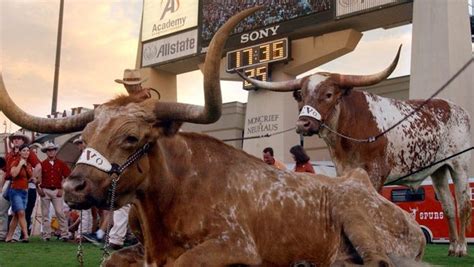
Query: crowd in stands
pixel 216 12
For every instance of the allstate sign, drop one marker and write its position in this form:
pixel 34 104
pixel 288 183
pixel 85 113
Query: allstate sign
pixel 170 48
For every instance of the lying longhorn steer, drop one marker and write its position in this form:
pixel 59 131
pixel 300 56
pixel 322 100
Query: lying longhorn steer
pixel 329 107
pixel 201 202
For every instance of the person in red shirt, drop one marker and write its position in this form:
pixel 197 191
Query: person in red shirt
pixel 269 159
pixel 301 160
pixel 20 171
pixel 16 140
pixel 50 190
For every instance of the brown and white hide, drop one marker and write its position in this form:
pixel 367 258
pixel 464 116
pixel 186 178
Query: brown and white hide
pixel 342 116
pixel 203 203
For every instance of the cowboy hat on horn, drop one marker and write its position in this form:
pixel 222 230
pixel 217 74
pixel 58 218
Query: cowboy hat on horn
pixel 19 134
pixel 131 77
pixel 49 146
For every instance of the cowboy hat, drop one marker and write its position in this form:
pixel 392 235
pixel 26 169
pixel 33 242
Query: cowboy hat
pixel 78 140
pixel 49 146
pixel 131 77
pixel 19 134
pixel 36 145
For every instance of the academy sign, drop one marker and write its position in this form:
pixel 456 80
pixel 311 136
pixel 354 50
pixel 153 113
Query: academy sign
pixel 163 17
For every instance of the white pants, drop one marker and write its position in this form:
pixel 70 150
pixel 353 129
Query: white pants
pixel 4 206
pixel 58 204
pixel 119 230
pixel 86 223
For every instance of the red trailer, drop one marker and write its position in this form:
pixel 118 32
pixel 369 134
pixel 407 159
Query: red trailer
pixel 424 206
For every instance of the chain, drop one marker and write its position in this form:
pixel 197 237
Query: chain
pixel 115 172
pixel 431 165
pixel 80 251
pixel 106 252
pixel 368 140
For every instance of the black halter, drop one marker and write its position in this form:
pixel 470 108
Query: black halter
pixel 117 169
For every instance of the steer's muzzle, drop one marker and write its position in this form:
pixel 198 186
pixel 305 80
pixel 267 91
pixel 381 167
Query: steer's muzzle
pixel 77 192
pixel 307 126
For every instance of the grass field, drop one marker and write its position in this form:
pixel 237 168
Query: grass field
pixel 58 254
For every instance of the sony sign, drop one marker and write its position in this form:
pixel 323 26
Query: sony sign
pixel 259 34
pixel 170 48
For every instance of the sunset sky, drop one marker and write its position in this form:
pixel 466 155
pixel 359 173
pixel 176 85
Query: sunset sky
pixel 100 40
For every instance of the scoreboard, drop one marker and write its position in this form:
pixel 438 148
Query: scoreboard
pixel 254 60
pixel 258 54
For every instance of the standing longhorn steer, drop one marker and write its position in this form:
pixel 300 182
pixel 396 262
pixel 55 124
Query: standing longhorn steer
pixel 201 202
pixel 329 105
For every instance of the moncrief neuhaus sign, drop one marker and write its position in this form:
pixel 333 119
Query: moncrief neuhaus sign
pixel 262 124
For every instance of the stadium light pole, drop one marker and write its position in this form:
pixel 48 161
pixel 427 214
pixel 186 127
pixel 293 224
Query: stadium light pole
pixel 54 103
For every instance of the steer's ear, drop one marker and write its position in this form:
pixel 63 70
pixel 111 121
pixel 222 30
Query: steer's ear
pixel 168 128
pixel 346 90
pixel 297 95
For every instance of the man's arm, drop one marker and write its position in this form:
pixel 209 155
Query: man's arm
pixel 36 178
pixel 39 179
pixel 65 172
pixel 2 178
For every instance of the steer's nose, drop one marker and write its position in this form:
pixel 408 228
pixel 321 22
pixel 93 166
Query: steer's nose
pixel 74 184
pixel 302 126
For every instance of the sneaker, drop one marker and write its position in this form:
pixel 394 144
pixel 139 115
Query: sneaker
pixel 113 246
pixel 91 237
pixel 130 241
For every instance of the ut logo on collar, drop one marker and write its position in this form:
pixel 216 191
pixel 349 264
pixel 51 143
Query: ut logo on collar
pixel 92 155
pixel 93 158
pixel 170 6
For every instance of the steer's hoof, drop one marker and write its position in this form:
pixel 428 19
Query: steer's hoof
pixel 461 250
pixel 457 250
pixel 452 249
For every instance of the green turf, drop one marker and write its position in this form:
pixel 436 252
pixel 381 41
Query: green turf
pixel 54 253
pixel 436 254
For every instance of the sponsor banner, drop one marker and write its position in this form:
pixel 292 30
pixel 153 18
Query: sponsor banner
pixel 346 7
pixel 163 17
pixel 170 48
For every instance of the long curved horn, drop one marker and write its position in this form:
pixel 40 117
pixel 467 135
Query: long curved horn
pixel 37 124
pixel 211 111
pixel 365 80
pixel 284 86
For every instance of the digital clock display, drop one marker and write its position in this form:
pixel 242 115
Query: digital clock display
pixel 258 54
pixel 256 72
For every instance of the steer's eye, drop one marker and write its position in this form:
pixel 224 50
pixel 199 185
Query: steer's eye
pixel 328 95
pixel 131 139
